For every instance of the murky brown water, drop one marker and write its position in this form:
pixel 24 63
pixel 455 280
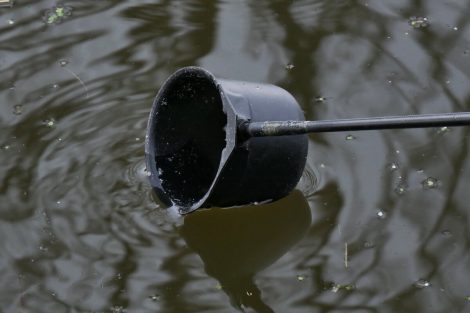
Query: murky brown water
pixel 81 232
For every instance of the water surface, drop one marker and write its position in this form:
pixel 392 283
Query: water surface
pixel 380 221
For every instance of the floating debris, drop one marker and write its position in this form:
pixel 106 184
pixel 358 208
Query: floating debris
pixel 369 245
pixel 63 62
pixel 289 66
pixel 18 109
pixel 118 309
pixel 422 283
pixel 393 166
pixel 443 130
pixel 337 287
pixel 320 99
pixel 57 14
pixel 430 183
pixel 400 189
pixel 381 214
pixel 446 233
pixel 350 137
pixel 155 298
pixel 418 22
pixel 249 293
pixel 49 123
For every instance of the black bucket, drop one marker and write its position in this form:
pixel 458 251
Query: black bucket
pixel 197 158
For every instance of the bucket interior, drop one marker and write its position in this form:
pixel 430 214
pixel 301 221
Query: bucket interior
pixel 189 136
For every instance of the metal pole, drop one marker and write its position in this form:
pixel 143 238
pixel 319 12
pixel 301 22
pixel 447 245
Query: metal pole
pixel 282 128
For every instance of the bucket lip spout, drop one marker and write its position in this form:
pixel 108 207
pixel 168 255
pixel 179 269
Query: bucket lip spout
pixel 230 137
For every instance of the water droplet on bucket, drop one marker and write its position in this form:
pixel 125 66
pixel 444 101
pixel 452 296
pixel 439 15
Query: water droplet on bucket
pixel 422 283
pixel 418 22
pixel 430 183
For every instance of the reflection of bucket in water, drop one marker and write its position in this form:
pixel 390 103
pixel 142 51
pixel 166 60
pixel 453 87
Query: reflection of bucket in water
pixel 237 243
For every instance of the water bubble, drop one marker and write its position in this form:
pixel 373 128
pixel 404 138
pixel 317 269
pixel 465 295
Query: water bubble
pixel 369 244
pixel 63 62
pixel 11 21
pixel 155 298
pixel 381 214
pixel 18 109
pixel 455 28
pixel 6 147
pixel 400 189
pixel 249 293
pixel 55 86
pixel 418 22
pixel 350 137
pixel 422 283
pixel 430 183
pixel 300 278
pixel 289 66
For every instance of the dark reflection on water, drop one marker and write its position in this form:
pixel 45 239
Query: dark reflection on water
pixel 236 243
pixel 80 230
